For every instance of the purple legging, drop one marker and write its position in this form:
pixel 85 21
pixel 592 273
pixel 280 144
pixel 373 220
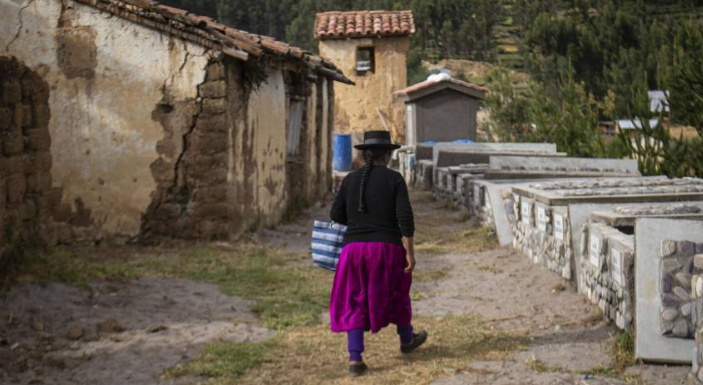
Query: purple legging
pixel 355 340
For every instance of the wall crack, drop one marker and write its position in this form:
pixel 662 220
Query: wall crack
pixel 190 130
pixel 19 30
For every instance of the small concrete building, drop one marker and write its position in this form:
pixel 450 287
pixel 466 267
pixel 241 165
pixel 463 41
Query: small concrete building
pixel 371 48
pixel 441 109
pixel 124 119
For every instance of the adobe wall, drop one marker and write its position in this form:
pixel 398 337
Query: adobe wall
pixel 151 135
pixel 233 173
pixel 25 161
pixel 108 78
pixel 356 105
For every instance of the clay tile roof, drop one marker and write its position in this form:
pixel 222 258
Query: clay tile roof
pixel 409 91
pixel 330 25
pixel 209 33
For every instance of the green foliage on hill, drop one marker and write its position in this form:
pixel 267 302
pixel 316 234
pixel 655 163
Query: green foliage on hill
pixel 589 61
pixel 595 60
pixel 445 28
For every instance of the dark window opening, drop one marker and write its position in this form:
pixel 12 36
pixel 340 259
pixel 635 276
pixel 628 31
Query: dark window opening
pixel 365 60
pixel 295 122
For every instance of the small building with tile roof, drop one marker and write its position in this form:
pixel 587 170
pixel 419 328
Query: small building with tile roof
pixel 441 109
pixel 128 119
pixel 371 48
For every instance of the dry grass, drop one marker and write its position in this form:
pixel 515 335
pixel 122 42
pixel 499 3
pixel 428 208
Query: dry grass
pixel 471 240
pixel 287 293
pixel 489 268
pixel 290 295
pixel 317 356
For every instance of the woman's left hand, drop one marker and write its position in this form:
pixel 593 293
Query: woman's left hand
pixel 411 263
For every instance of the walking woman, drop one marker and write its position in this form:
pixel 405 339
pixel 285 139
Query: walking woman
pixel 372 284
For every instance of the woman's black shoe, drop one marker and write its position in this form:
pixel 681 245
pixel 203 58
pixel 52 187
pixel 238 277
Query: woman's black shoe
pixel 418 340
pixel 358 369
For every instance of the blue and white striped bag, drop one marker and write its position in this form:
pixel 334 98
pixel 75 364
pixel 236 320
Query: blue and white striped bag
pixel 327 240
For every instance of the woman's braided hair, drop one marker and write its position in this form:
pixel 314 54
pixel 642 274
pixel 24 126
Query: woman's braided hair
pixel 369 156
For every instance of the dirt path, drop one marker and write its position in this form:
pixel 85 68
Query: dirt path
pixel 530 328
pixel 116 333
pixel 568 338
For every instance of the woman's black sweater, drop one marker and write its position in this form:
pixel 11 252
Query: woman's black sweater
pixel 388 216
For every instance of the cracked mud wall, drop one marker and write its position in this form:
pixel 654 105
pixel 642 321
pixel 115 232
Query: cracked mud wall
pixel 107 76
pixel 356 105
pixel 25 161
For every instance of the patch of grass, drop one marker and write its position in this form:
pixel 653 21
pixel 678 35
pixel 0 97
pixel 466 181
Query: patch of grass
pixel 449 205
pixel 442 241
pixel 623 351
pixel 316 356
pixel 464 217
pixel 420 275
pixel 40 266
pixel 222 361
pixel 538 366
pixel 416 295
pixel 488 268
pixel 286 294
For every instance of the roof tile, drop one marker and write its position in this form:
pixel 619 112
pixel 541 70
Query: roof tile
pixel 330 25
pixel 210 33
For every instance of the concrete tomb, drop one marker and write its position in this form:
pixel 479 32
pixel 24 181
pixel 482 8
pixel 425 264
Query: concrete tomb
pixel 571 203
pixel 607 257
pixel 533 167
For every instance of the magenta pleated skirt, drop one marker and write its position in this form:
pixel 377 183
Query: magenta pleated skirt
pixel 370 288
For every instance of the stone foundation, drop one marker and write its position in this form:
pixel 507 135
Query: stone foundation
pixel 697 318
pixel 606 273
pixel 680 261
pixel 542 233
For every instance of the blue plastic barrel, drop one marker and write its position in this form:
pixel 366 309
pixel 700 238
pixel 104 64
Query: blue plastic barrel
pixel 342 152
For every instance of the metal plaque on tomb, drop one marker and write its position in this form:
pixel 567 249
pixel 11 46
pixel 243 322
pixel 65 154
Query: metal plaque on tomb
pixel 541 218
pixel 616 265
pixel 525 212
pixel 594 254
pixel 559 227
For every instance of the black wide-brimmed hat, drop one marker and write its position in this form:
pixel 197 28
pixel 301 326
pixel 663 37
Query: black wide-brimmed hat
pixel 377 139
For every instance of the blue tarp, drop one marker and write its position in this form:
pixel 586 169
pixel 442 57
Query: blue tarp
pixel 432 143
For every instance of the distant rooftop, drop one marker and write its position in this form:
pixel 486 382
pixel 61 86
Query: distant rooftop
pixel 631 124
pixel 356 24
pixel 438 82
pixel 658 100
